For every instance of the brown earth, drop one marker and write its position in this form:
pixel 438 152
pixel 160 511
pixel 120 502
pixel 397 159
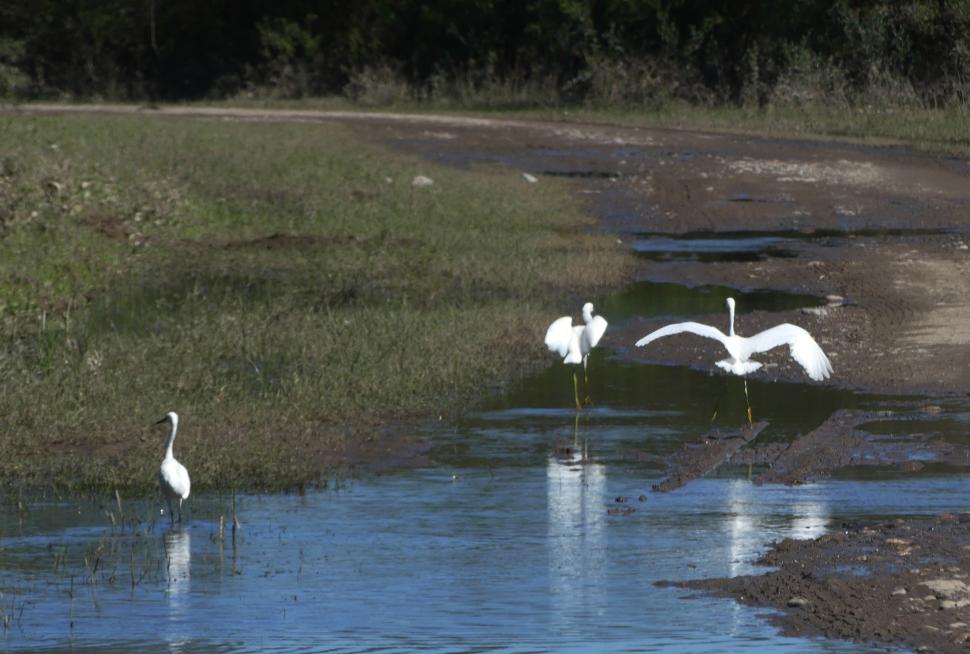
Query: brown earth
pixel 905 582
pixel 837 443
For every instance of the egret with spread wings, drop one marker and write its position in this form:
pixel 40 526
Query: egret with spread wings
pixel 802 347
pixel 574 342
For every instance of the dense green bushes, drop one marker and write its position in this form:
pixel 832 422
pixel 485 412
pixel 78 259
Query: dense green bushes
pixel 502 52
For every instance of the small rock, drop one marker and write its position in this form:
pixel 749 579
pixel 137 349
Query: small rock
pixel 899 591
pixel 642 498
pixel 958 625
pixel 421 181
pixel 532 179
pixel 945 605
pixel 620 499
pixel 816 311
pixel 797 602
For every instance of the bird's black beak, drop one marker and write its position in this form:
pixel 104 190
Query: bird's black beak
pixel 162 420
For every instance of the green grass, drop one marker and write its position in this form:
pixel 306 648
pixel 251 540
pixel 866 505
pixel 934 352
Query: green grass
pixel 931 130
pixel 138 275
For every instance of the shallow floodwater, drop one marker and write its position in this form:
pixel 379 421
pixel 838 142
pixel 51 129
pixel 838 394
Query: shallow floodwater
pixel 509 543
pixel 535 530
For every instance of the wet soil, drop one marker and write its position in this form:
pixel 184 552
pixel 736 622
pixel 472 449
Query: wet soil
pixel 905 582
pixel 839 443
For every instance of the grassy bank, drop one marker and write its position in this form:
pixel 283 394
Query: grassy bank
pixel 283 287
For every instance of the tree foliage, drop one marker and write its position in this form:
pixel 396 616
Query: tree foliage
pixel 705 50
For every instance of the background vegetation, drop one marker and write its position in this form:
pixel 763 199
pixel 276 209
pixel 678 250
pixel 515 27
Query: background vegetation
pixel 283 287
pixel 494 53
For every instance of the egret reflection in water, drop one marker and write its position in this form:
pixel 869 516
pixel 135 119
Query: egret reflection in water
pixel 577 548
pixel 178 562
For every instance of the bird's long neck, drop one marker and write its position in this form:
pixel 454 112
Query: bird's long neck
pixel 731 323
pixel 587 314
pixel 171 440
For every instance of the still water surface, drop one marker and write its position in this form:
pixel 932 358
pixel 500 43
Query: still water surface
pixel 507 543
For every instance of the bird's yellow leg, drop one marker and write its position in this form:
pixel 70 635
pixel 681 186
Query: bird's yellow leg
pixel 717 404
pixel 588 400
pixel 747 401
pixel 576 391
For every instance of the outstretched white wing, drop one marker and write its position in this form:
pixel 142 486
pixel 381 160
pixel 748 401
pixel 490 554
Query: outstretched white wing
pixel 802 347
pixel 678 328
pixel 559 334
pixel 594 331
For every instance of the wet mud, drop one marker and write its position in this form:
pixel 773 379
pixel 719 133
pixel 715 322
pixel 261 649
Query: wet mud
pixel 699 459
pixel 839 443
pixel 905 582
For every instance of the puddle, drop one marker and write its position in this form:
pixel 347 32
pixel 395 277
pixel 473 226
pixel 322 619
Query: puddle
pixel 752 248
pixel 581 174
pixel 743 246
pixel 658 299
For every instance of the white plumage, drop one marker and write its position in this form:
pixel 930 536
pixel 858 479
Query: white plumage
pixel 801 345
pixel 574 343
pixel 173 478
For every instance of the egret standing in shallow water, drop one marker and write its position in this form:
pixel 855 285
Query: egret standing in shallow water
pixel 172 476
pixel 801 346
pixel 574 342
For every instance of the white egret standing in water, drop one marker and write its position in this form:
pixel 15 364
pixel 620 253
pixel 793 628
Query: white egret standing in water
pixel 574 342
pixel 172 476
pixel 801 346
